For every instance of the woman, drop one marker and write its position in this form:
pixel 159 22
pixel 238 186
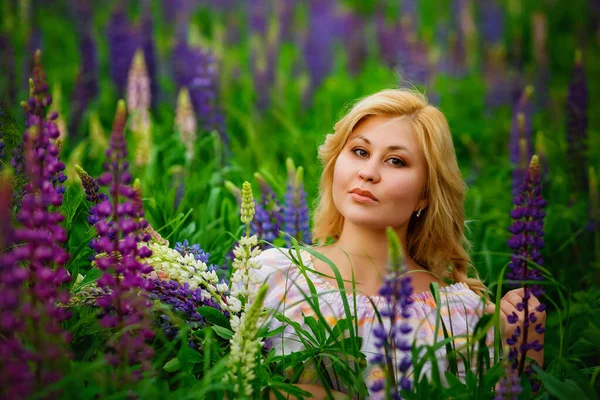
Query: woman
pixel 390 162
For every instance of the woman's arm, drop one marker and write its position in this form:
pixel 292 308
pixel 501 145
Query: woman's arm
pixel 508 307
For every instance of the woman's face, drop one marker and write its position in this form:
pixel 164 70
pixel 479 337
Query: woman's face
pixel 380 174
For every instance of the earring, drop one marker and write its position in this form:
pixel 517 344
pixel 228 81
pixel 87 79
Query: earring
pixel 419 213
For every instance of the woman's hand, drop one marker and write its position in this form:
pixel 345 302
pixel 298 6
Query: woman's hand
pixel 512 319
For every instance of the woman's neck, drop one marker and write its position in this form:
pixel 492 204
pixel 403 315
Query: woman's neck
pixel 368 246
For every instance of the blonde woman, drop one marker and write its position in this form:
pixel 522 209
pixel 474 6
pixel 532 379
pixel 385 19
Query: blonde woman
pixel 389 163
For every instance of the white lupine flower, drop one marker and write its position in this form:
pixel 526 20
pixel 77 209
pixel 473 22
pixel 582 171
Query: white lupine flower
pixel 244 347
pixel 222 287
pixel 235 305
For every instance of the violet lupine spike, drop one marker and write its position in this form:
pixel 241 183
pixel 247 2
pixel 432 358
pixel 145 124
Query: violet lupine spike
pixel 147 44
pixel 391 337
pixel 196 69
pixel 86 84
pixel 122 43
pixel 355 41
pixel 577 125
pixel 92 193
pixel 295 208
pixel 127 307
pixel 492 22
pixel 33 345
pixel 526 243
pixel 265 50
pixel 268 219
pixel 387 37
pixel 520 142
pixel 318 47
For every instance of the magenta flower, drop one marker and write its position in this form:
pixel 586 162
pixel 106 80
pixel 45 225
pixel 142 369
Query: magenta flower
pixel 32 341
pixel 127 306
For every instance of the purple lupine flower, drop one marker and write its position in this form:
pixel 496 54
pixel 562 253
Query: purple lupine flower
pixel 196 69
pixel 355 40
pixel 122 42
pixel 92 193
pixel 148 47
pixel 295 207
pixel 86 84
pixel 285 15
pixel 391 336
pixel 509 386
pixel 458 63
pixel 577 124
pixel 387 38
pixel 33 270
pixel 492 22
pixel 318 46
pixel 526 242
pixel 268 219
pixel 127 306
pixel 184 248
pixel 520 144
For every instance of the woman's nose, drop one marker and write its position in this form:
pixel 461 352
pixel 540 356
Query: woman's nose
pixel 369 172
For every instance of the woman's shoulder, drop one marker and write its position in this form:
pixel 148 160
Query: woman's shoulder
pixel 277 260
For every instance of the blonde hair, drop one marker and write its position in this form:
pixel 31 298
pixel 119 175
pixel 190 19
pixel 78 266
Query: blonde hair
pixel 436 239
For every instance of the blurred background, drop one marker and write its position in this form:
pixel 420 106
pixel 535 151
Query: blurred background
pixel 227 88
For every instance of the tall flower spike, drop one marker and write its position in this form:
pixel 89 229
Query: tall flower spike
pixel 247 208
pixel 577 124
pixel 122 43
pixel 92 193
pixel 295 207
pixel 138 102
pixel 33 344
pixel 185 122
pixel 269 213
pixel 127 307
pixel 526 243
pixel 392 335
pixel 245 346
pixel 521 130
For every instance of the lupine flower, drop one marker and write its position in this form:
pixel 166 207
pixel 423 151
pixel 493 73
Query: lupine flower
pixel 86 84
pixel 245 345
pixel 509 386
pixel 122 43
pixel 295 207
pixel 33 271
pixel 526 243
pixel 268 219
pixel 577 124
pixel 318 47
pixel 6 229
pixel 387 38
pixel 392 336
pixel 521 130
pixel 185 122
pixel 243 279
pixel 123 244
pixel 492 22
pixel 495 72
pixel 92 193
pixel 171 264
pixel 147 45
pixel 355 40
pixel 138 103
pixel 185 301
pixel 196 69
pixel 185 248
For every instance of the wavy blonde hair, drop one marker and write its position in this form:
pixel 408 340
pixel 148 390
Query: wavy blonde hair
pixel 436 240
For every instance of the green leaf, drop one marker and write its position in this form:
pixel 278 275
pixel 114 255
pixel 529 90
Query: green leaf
pixel 563 390
pixel 188 355
pixel 172 365
pixel 214 316
pixel 223 332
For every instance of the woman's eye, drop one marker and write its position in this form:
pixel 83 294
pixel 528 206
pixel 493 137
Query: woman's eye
pixel 360 152
pixel 396 162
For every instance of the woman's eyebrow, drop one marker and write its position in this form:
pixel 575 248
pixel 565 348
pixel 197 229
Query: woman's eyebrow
pixel 393 147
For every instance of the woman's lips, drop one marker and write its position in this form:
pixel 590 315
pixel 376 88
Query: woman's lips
pixel 359 198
